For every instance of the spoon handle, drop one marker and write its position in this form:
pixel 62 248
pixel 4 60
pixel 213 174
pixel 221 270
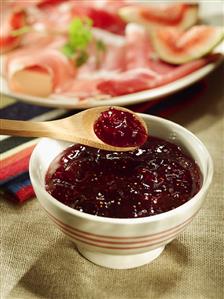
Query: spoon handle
pixel 26 128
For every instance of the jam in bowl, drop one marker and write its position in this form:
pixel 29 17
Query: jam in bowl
pixel 122 209
pixel 155 178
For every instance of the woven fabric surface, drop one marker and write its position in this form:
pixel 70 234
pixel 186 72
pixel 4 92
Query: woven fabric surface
pixel 37 261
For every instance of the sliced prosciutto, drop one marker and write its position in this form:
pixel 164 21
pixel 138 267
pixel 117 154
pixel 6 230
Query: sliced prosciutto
pixel 64 55
pixel 24 4
pixel 114 54
pixel 125 84
pixel 144 69
pixel 102 18
pixel 138 47
pixel 80 89
pixel 41 73
pixel 104 15
pixel 140 52
pixel 44 3
pixel 10 21
pixel 107 62
pixel 33 43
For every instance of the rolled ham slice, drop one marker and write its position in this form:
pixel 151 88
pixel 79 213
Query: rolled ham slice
pixel 33 44
pixel 40 73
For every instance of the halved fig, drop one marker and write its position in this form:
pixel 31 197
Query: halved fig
pixel 182 16
pixel 177 47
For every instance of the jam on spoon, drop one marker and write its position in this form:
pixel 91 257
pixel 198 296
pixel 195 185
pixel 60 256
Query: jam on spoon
pixel 155 178
pixel 120 128
pixel 79 128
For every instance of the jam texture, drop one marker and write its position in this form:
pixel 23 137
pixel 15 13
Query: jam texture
pixel 120 128
pixel 155 178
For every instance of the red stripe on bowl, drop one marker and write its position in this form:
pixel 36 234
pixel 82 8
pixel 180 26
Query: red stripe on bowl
pixel 157 243
pixel 100 238
pixel 97 242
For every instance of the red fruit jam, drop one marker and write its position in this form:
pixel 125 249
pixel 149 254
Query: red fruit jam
pixel 120 128
pixel 155 178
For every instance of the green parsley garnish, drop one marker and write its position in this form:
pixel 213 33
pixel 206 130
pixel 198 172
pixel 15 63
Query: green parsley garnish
pixel 100 45
pixel 21 31
pixel 68 51
pixel 79 37
pixel 80 33
pixel 101 49
pixel 81 58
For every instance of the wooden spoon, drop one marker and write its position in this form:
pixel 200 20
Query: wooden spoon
pixel 77 128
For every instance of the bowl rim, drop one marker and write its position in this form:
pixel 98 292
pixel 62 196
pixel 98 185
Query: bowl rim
pixel 207 179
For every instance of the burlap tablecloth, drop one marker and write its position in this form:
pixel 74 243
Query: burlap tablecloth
pixel 37 261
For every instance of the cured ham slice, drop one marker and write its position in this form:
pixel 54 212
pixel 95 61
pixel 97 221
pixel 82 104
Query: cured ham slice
pixel 81 89
pixel 186 69
pixel 118 58
pixel 110 5
pixel 33 44
pixel 10 21
pixel 112 59
pixel 105 19
pixel 138 48
pixel 49 66
pixel 140 53
pixel 115 46
pixel 23 4
pixel 44 3
pixel 127 83
pixel 103 15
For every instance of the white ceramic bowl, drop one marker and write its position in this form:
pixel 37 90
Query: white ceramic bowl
pixel 122 243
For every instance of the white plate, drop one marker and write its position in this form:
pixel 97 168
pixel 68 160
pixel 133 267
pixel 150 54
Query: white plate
pixel 208 14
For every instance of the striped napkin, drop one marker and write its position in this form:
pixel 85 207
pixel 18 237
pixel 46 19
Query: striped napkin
pixel 16 151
